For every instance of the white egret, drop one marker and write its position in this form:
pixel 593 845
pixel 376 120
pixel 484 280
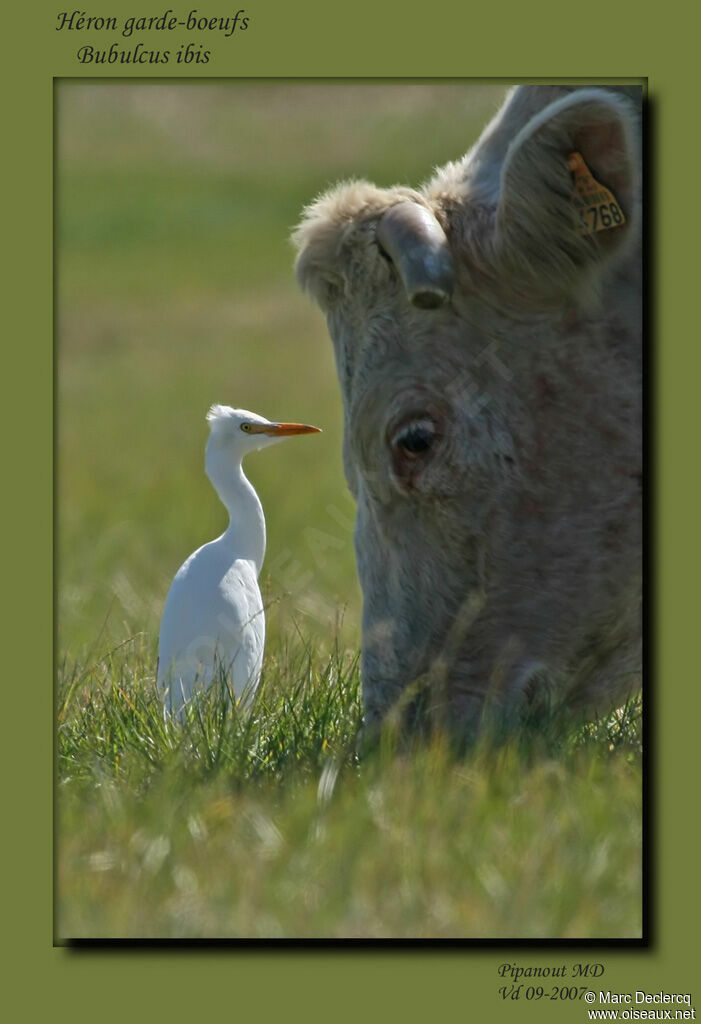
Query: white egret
pixel 213 619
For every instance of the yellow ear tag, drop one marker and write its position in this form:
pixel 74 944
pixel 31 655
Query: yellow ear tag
pixel 595 207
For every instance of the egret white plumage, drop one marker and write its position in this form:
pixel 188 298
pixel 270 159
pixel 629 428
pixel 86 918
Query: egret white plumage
pixel 213 620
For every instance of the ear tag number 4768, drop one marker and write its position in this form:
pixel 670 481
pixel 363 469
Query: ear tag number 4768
pixel 595 207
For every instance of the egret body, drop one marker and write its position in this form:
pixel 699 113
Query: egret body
pixel 213 620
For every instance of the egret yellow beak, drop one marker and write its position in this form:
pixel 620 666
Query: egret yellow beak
pixel 282 429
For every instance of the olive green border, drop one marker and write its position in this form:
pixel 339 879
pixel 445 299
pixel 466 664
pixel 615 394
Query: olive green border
pixel 311 39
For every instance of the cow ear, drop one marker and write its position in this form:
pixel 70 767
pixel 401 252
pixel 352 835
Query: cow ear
pixel 546 236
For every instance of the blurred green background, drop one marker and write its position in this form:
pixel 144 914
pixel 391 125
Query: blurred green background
pixel 175 289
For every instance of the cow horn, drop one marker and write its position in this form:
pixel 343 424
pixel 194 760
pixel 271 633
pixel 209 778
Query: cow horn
pixel 416 243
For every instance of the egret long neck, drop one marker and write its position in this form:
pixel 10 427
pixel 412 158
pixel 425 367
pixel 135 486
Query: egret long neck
pixel 245 534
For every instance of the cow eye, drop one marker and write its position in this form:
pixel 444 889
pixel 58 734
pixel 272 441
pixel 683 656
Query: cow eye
pixel 416 438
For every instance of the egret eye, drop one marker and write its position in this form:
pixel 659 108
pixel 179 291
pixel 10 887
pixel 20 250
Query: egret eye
pixel 416 438
pixel 246 427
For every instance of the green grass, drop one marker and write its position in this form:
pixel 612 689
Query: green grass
pixel 174 291
pixel 269 824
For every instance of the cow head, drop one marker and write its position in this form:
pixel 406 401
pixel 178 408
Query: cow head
pixel 486 413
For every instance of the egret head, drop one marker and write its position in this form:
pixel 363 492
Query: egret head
pixel 236 432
